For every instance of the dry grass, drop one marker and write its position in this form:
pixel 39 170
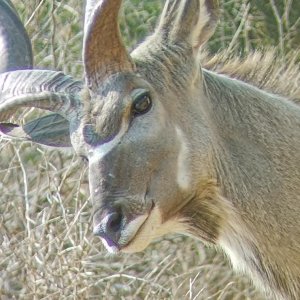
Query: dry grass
pixel 47 249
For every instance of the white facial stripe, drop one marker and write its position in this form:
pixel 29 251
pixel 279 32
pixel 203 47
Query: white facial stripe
pixel 131 229
pixel 183 173
pixel 145 233
pixel 153 228
pixel 100 151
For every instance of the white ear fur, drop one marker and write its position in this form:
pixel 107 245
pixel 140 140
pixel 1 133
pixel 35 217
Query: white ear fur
pixel 206 23
pixel 192 21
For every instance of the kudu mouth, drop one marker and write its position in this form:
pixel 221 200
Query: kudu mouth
pixel 117 230
pixel 109 230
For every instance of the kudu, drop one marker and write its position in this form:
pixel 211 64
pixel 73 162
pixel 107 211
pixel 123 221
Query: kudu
pixel 173 147
pixel 15 46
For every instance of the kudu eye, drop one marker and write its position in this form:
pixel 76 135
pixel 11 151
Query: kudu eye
pixel 142 104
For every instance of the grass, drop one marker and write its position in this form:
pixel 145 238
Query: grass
pixel 47 247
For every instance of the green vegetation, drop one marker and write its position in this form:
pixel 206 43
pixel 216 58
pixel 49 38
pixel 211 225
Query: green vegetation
pixel 47 248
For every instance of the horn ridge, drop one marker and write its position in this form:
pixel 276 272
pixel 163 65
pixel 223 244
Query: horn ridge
pixel 15 45
pixel 104 53
pixel 49 90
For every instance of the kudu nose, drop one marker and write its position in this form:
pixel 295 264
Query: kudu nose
pixel 109 228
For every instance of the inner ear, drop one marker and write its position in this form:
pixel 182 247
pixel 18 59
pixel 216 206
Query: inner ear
pixel 206 23
pixel 192 21
pixel 51 130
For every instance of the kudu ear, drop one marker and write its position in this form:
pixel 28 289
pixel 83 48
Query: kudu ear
pixel 51 130
pixel 192 21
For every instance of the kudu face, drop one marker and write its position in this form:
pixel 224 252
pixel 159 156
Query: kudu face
pixel 131 164
pixel 138 161
pixel 134 120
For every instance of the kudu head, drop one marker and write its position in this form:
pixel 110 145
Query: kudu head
pixel 132 121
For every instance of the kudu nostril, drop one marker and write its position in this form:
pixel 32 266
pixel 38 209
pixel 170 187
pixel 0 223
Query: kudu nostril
pixel 114 222
pixel 110 228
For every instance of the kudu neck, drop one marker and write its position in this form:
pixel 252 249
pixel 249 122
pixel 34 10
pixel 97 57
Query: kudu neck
pixel 251 129
pixel 256 140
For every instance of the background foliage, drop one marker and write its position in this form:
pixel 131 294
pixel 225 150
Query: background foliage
pixel 47 250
